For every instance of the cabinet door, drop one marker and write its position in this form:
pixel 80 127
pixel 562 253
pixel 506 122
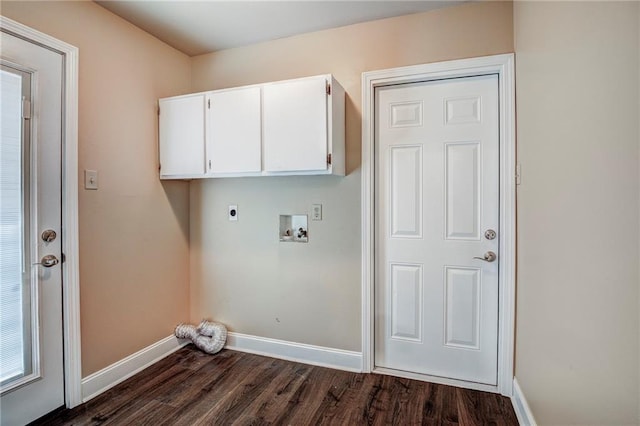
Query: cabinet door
pixel 295 125
pixel 181 134
pixel 234 136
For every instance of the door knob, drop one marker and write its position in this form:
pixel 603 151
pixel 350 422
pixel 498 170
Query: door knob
pixel 488 257
pixel 48 261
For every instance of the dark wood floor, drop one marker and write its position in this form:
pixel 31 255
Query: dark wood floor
pixel 193 388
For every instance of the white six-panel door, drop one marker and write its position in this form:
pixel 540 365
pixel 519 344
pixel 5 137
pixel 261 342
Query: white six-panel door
pixel 437 188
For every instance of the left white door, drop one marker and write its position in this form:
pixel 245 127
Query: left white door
pixel 31 346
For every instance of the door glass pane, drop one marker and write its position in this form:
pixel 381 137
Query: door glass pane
pixel 16 334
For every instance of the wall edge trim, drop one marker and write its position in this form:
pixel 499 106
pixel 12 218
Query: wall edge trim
pixel 116 373
pixel 521 407
pixel 297 352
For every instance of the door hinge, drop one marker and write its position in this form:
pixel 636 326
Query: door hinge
pixel 329 159
pixel 208 103
pixel 209 164
pixel 158 111
pixel 518 174
pixel 26 109
pixel 328 88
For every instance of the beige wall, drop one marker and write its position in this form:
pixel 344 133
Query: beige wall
pixel 134 275
pixel 310 293
pixel 577 98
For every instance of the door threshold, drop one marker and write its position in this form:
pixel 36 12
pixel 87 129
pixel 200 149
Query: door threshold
pixel 436 379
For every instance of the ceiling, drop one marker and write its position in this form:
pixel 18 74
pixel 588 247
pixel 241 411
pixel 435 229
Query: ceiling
pixel 197 27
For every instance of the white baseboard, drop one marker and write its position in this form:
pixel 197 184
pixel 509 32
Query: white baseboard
pixel 103 380
pixel 298 352
pixel 523 412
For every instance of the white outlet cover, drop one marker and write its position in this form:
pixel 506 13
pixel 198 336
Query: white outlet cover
pixel 233 213
pixel 316 212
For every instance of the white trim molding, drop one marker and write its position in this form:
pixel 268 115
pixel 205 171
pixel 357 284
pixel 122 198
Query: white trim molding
pixel 521 407
pixel 297 352
pixel 103 380
pixel 70 245
pixel 503 66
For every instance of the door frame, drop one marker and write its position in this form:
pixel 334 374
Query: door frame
pixel 70 246
pixel 503 66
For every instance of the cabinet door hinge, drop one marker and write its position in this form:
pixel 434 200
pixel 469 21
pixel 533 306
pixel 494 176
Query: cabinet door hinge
pixel 158 111
pixel 26 109
pixel 329 159
pixel 209 103
pixel 209 164
pixel 328 88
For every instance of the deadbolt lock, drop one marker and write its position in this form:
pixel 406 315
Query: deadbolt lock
pixel 490 234
pixel 49 235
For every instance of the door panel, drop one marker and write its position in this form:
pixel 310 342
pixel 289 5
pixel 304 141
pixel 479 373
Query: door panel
pixel 437 187
pixel 406 191
pixel 40 191
pixel 462 180
pixel 462 319
pixel 405 307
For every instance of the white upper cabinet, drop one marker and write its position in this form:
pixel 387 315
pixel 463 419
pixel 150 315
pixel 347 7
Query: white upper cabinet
pixel 233 132
pixel 293 127
pixel 303 126
pixel 181 136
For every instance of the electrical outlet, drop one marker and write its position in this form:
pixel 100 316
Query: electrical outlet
pixel 316 212
pixel 233 213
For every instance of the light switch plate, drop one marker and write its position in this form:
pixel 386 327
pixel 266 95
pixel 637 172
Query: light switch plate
pixel 316 212
pixel 90 179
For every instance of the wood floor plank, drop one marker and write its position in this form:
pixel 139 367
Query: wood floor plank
pixel 305 398
pixel 197 379
pixel 275 397
pixel 214 390
pixel 333 407
pixel 192 388
pixel 232 407
pixel 470 410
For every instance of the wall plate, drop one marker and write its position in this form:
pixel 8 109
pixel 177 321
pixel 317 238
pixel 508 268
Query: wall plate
pixel 233 213
pixel 316 212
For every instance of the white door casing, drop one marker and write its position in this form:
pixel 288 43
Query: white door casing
pixel 68 237
pixel 437 192
pixel 502 66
